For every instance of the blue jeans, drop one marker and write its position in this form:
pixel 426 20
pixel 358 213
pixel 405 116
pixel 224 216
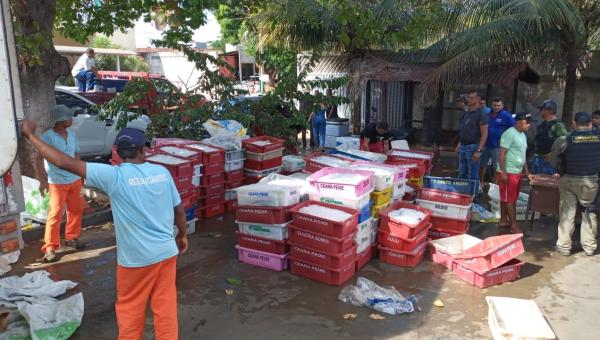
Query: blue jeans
pixel 538 165
pixel 85 80
pixel 467 169
pixel 318 129
pixel 488 154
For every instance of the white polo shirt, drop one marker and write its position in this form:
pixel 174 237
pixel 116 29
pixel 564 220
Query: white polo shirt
pixel 84 63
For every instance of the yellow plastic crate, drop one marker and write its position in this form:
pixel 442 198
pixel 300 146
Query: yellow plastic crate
pixel 417 182
pixel 382 197
pixel 376 208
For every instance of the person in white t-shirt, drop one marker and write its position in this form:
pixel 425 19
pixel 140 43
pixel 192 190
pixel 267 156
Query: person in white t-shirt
pixel 84 71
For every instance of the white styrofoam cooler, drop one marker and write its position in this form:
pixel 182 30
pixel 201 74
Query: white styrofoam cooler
pixel 268 195
pixel 350 202
pixel 446 210
pixel 337 129
pixel 330 142
pixel 293 163
pixel 277 232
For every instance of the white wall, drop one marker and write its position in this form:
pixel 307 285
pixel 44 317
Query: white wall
pixel 175 67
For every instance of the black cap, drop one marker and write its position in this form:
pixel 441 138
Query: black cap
pixel 582 118
pixel 524 116
pixel 549 105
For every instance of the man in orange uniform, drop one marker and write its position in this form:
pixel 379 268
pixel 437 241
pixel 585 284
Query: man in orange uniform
pixel 63 186
pixel 145 204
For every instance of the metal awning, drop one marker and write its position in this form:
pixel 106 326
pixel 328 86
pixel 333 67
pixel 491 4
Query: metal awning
pixel 78 50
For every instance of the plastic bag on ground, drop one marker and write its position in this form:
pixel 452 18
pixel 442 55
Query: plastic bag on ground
pixel 52 319
pixel 382 299
pixel 481 214
pixel 36 203
pixel 224 128
pixel 36 284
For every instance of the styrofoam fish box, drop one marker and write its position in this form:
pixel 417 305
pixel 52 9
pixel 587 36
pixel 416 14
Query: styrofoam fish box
pixel 267 195
pixel 277 232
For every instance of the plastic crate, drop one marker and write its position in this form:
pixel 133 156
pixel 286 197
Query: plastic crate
pixel 258 175
pixel 402 258
pixel 269 215
pixel 196 180
pixel 178 167
pixel 447 210
pixel 326 275
pixel 262 259
pixel 212 210
pixel 322 225
pixel 375 209
pixel 382 181
pixel 188 201
pixel 491 253
pixel 416 182
pixel 400 172
pixel 443 250
pixel 261 157
pixel 268 195
pixel 448 224
pixel 319 241
pixel 212 189
pixel 367 225
pixel 363 240
pixel 230 195
pixel 399 189
pixel 277 232
pixel 211 179
pixel 403 230
pixel 381 197
pixel 263 165
pixel 416 168
pixel 273 144
pixel 505 273
pixel 365 257
pixel 442 196
pixel 190 227
pixel 234 184
pixel 252 180
pixel 399 155
pixel 233 155
pixel 234 165
pixel 293 164
pixel 461 186
pixel 397 243
pixel 438 233
pixel 322 258
pixel 178 151
pixel 262 244
pixel 183 183
pixel 333 187
pixel 210 153
pixel 365 213
pixel 207 200
pixel 214 168
pixel 352 202
pixel 234 176
pixel 230 205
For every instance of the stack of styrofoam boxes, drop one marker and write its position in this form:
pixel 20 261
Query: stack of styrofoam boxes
pixel 383 184
pixel 348 143
pixel 450 202
pixel 421 163
pixel 402 238
pixel 263 216
pixel 480 263
pixel 264 156
pixel 189 193
pixel 234 176
pixel 522 204
pixel 211 200
pixel 292 164
pixel 319 160
pixel 323 233
pixel 335 129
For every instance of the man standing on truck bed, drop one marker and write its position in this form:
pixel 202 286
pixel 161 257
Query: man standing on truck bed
pixel 84 71
pixel 145 202
pixel 63 186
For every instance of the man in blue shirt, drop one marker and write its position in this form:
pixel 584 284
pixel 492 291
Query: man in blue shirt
pixel 145 204
pixel 499 120
pixel 64 187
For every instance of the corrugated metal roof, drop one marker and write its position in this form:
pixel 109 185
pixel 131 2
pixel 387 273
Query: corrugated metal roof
pixel 80 50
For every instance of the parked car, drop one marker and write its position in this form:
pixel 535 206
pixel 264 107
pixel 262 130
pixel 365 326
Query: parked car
pixel 96 137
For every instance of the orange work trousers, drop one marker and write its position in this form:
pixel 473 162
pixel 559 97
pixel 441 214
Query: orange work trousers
pixel 135 286
pixel 61 195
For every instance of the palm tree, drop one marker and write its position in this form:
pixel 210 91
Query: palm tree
pixel 558 34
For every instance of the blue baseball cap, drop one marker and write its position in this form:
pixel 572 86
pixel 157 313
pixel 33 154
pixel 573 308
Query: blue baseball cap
pixel 582 118
pixel 131 138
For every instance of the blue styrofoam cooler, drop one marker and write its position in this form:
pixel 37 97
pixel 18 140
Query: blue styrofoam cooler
pixel 338 129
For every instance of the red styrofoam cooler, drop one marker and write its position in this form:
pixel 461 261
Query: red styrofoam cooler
pixel 268 215
pixel 505 273
pixel 262 144
pixel 323 225
pixel 451 225
pixel 233 176
pixel 262 244
pixel 402 258
pixel 318 241
pixel 211 179
pixel 403 230
pixel 398 243
pixel 367 255
pixel 491 253
pixel 178 167
pixel 323 258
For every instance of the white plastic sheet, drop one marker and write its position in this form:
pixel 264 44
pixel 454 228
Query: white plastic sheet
pixel 224 128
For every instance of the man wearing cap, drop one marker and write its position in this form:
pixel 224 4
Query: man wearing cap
pixel 473 135
pixel 145 204
pixel 547 133
pixel 511 166
pixel 63 186
pixel 577 158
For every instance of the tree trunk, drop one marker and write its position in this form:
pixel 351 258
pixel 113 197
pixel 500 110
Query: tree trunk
pixel 570 86
pixel 36 17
